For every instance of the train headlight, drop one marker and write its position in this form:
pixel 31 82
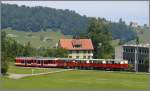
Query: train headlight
pixel 121 62
pixel 126 62
pixel 87 61
pixel 104 62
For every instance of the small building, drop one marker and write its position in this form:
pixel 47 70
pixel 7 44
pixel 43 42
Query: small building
pixel 140 52
pixel 77 48
pixel 133 24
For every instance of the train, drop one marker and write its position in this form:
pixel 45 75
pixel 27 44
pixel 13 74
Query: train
pixel 72 63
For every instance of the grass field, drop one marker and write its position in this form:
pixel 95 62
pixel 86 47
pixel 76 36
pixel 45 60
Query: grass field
pixel 77 79
pixel 25 70
pixel 47 38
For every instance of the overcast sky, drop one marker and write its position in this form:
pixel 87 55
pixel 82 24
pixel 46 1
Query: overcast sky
pixel 136 11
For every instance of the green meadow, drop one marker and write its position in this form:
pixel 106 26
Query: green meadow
pixel 47 38
pixel 76 79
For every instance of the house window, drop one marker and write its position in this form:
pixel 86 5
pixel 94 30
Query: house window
pixel 84 51
pixel 70 56
pixel 84 56
pixel 77 51
pixel 89 57
pixel 77 46
pixel 70 52
pixel 77 56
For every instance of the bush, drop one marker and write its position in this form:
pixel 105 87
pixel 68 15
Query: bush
pixel 4 67
pixel 131 68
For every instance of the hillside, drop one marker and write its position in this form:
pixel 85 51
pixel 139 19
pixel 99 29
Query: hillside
pixel 35 19
pixel 143 34
pixel 37 39
pixel 42 18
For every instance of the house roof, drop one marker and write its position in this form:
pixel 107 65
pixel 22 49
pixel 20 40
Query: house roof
pixel 69 44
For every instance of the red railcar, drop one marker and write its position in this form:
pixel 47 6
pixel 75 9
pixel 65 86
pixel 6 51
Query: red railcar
pixel 108 64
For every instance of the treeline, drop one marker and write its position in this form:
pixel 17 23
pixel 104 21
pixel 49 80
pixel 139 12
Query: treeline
pixel 41 18
pixel 11 49
pixel 23 18
pixel 101 39
pixel 122 31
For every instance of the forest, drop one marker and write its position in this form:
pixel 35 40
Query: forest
pixel 69 22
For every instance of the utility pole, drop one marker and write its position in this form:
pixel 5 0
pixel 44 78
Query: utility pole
pixel 136 56
pixel 149 58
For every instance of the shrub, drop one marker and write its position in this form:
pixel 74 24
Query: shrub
pixel 4 67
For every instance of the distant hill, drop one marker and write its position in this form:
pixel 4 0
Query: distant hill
pixel 37 39
pixel 144 37
pixel 42 18
pixel 35 19
pixel 143 34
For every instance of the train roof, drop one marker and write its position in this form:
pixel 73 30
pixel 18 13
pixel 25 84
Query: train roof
pixel 67 59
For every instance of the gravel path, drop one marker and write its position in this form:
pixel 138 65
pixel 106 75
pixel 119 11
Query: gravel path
pixel 18 76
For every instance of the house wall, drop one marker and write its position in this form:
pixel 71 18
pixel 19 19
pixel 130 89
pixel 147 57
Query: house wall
pixel 87 54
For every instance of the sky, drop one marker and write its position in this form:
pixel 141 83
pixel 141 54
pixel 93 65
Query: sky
pixel 136 11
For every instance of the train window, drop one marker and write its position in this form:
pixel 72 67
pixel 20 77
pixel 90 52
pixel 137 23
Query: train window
pixel 45 62
pixel 29 62
pixel 113 62
pixel 38 62
pixel 22 62
pixel 49 61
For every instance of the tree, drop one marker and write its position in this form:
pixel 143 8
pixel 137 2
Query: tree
pixel 4 67
pixel 146 63
pixel 98 33
pixel 4 61
pixel 28 50
pixel 59 52
pixel 68 22
pixel 137 40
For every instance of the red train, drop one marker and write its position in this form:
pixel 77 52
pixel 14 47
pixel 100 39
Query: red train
pixel 106 64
